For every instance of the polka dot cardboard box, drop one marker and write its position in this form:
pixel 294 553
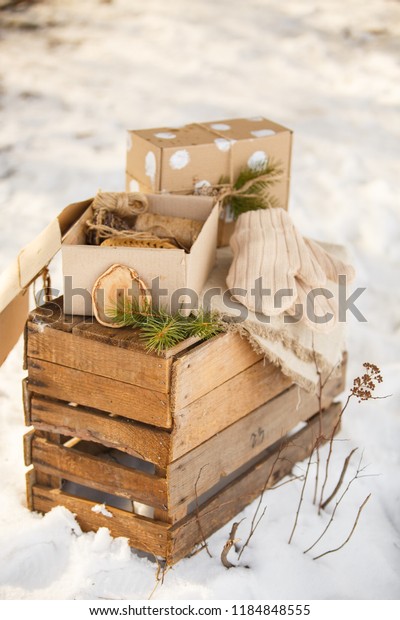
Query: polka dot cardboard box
pixel 180 159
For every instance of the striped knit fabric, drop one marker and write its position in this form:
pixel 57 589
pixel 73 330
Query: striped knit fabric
pixel 267 245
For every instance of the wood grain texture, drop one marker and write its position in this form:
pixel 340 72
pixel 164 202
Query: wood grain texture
pixel 224 453
pixel 30 481
pixel 224 405
pixel 208 365
pixel 98 473
pixel 140 440
pixel 26 401
pixel 27 443
pixel 225 505
pixel 52 315
pixel 129 366
pixel 144 534
pixel 98 392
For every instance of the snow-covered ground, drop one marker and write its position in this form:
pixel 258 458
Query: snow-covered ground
pixel 74 75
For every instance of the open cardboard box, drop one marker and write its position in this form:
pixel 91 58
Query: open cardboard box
pixel 176 270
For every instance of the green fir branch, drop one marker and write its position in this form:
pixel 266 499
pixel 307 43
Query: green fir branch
pixel 160 330
pixel 257 196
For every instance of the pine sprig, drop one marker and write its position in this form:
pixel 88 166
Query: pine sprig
pixel 257 183
pixel 161 330
pixel 204 325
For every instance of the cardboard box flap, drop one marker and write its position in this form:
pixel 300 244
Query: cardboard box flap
pixel 37 254
pixel 12 322
pixel 15 280
pixel 71 214
pixel 182 206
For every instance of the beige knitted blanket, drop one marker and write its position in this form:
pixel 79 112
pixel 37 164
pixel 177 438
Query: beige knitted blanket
pixel 301 352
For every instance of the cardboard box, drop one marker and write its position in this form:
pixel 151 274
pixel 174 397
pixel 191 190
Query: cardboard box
pixel 179 159
pixel 176 269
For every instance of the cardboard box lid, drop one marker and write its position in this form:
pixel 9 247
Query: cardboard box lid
pixel 16 279
pixel 196 134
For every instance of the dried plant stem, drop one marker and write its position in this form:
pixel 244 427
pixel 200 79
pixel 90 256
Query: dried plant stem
pixel 162 569
pixel 205 545
pixel 231 542
pixel 301 497
pixel 320 386
pixel 321 555
pixel 355 477
pixel 334 431
pixel 340 481
pixel 255 522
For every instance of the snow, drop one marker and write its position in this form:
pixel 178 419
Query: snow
pixel 75 75
pixel 101 509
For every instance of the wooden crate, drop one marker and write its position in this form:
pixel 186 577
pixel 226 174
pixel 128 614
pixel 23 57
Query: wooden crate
pixel 167 442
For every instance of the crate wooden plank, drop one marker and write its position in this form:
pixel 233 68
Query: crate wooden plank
pixel 140 440
pixel 206 366
pixel 224 453
pixel 226 504
pixel 26 401
pixel 98 473
pixel 144 534
pixel 98 392
pixel 27 441
pixel 51 314
pixel 124 337
pixel 30 481
pixel 129 366
pixel 224 405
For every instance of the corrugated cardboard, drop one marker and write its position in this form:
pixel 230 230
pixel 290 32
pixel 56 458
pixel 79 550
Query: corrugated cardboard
pixel 15 280
pixel 169 159
pixel 176 269
pixel 12 321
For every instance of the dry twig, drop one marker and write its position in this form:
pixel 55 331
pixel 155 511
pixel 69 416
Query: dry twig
pixel 363 388
pixel 301 497
pixel 321 555
pixel 205 545
pixel 231 542
pixel 255 522
pixel 340 481
pixel 355 477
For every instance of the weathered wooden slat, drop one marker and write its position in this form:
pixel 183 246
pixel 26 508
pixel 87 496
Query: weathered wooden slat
pixel 124 337
pixel 97 473
pixel 205 466
pixel 224 405
pixel 51 314
pixel 98 392
pixel 226 504
pixel 27 441
pixel 30 481
pixel 208 365
pixel 26 401
pixel 140 440
pixel 144 534
pixel 129 366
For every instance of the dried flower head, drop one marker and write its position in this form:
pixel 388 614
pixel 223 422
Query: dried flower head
pixel 364 386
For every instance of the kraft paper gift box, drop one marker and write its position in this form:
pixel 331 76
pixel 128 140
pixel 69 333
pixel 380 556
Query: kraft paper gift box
pixel 182 159
pixel 174 268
